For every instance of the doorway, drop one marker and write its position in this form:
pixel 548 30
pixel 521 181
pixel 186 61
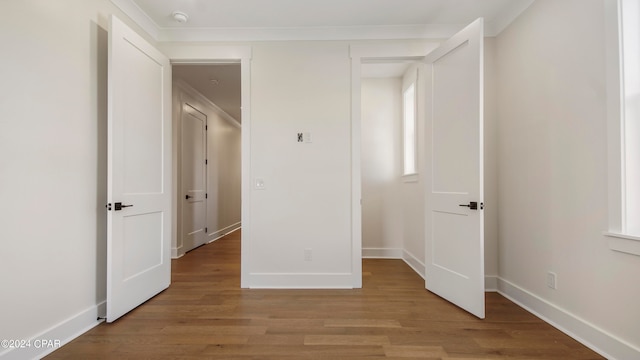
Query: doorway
pixel 207 119
pixel 392 203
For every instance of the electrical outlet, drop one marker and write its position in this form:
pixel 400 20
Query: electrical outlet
pixel 308 254
pixel 552 280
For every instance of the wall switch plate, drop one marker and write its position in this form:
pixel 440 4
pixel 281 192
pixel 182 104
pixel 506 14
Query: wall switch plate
pixel 308 254
pixel 552 280
pixel 259 184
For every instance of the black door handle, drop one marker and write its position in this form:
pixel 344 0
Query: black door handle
pixel 119 206
pixel 188 197
pixel 472 205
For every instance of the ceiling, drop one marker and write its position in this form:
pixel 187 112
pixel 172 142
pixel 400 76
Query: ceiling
pixel 259 20
pixel 276 20
pixel 219 83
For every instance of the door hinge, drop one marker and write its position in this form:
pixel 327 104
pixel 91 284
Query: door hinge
pixel 206 161
pixel 206 127
pixel 206 196
pixel 206 230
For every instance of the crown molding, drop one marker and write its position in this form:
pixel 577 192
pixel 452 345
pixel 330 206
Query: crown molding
pixel 132 10
pixel 494 28
pixel 394 32
pixel 309 33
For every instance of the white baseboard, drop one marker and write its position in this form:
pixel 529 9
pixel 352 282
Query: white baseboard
pixel 413 262
pixel 381 253
pixel 223 232
pixel 300 281
pixel 177 253
pixel 58 335
pixel 581 330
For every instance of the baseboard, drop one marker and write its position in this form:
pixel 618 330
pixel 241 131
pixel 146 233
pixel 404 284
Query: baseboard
pixel 490 283
pixel 300 281
pixel 381 253
pixel 177 253
pixel 413 262
pixel 223 232
pixel 58 335
pixel 581 330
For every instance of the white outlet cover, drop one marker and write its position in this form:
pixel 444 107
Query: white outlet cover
pixel 552 280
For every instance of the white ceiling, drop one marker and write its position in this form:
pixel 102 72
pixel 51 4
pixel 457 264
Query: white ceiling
pixel 255 20
pixel 223 92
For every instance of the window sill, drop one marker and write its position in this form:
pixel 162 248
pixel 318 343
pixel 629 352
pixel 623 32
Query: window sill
pixel 624 243
pixel 409 178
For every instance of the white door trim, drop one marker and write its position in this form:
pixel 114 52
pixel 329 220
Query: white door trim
pixel 194 54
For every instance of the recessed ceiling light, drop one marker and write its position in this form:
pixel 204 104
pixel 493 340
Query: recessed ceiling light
pixel 179 16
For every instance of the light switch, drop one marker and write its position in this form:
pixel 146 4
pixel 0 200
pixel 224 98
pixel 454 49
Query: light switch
pixel 259 184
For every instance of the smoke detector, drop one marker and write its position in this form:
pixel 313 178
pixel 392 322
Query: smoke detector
pixel 180 17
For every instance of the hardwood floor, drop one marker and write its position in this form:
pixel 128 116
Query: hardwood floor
pixel 205 315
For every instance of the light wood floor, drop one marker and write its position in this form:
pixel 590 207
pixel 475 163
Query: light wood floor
pixel 205 315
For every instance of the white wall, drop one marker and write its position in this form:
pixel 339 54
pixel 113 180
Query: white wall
pixel 553 176
pixel 223 204
pixel 381 167
pixel 52 166
pixel 306 204
pixel 224 175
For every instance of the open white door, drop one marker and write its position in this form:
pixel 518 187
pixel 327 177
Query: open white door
pixel 139 171
pixel 455 220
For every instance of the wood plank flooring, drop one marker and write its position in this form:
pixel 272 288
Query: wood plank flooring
pixel 206 315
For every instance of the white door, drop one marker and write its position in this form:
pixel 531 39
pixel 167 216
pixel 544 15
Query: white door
pixel 193 176
pixel 455 221
pixel 139 171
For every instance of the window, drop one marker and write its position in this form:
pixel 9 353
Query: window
pixel 409 123
pixel 623 113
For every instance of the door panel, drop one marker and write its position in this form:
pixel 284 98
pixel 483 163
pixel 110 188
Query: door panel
pixel 193 177
pixel 139 171
pixel 455 242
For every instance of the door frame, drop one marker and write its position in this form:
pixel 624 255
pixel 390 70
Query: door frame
pixel 183 54
pixel 416 50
